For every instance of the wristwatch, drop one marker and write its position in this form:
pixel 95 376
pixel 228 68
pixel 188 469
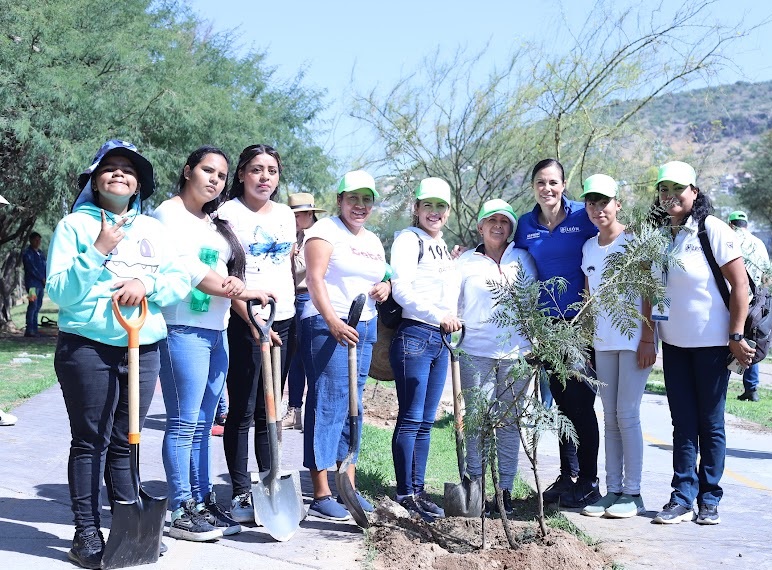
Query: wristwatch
pixel 736 337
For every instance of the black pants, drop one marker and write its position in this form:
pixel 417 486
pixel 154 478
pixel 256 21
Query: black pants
pixel 246 401
pixel 577 401
pixel 94 381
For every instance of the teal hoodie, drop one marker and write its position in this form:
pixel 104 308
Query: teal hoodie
pixel 81 279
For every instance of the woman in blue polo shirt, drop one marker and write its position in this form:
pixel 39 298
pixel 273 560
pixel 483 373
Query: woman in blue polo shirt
pixel 554 233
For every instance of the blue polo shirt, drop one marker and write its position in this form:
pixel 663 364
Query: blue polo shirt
pixel 557 253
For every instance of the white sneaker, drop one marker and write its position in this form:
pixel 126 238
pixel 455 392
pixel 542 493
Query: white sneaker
pixel 292 419
pixel 7 419
pixel 242 510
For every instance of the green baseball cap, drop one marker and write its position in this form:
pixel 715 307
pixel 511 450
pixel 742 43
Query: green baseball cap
pixel 430 188
pixel 678 172
pixel 497 206
pixel 357 180
pixel 738 215
pixel 600 184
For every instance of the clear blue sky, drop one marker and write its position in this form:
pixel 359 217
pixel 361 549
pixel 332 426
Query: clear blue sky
pixel 348 46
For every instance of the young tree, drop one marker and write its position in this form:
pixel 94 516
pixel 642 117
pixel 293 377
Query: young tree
pixel 756 195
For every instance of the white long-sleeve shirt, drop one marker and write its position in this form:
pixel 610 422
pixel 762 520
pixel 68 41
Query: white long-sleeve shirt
pixel 427 290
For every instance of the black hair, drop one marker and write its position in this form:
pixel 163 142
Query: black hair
pixel 237 263
pixel 546 163
pixel 237 186
pixel 739 223
pixel 702 207
pixel 34 235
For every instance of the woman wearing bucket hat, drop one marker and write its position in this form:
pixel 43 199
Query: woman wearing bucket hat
pixel 304 208
pixel 266 230
pixel 106 250
pixel 695 327
pixel 343 260
pixel 554 233
pixel 425 283
pixel 623 360
pixel 194 357
pixel 490 358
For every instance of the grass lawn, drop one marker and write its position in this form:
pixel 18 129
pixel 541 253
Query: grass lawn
pixel 27 363
pixel 758 412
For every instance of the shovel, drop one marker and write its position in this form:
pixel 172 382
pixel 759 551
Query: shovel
pixel 461 499
pixel 342 480
pixel 135 536
pixel 276 502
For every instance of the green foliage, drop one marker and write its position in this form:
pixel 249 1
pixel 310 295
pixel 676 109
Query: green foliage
pixel 756 195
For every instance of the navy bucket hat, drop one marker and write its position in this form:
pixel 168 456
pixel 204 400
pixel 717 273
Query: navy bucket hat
pixel 123 148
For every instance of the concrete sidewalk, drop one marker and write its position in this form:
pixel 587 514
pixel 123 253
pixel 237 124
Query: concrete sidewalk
pixel 36 528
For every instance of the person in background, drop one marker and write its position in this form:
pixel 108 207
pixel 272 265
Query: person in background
pixel 266 231
pixel 343 260
pixel 302 205
pixel 220 415
pixel 623 360
pixel 426 285
pixel 554 233
pixel 34 261
pixel 695 325
pixel 756 259
pixel 6 419
pixel 194 356
pixel 106 251
pixel 490 353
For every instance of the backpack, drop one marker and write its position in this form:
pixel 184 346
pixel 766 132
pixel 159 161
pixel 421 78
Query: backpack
pixel 758 324
pixel 390 312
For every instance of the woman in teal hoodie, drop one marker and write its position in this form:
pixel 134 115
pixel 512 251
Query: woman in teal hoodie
pixel 104 250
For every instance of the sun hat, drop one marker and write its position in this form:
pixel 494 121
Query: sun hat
pixel 497 206
pixel 357 180
pixel 678 172
pixel 433 188
pixel 600 184
pixel 738 215
pixel 123 148
pixel 303 202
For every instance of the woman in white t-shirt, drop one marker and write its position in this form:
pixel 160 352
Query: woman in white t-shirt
pixel 622 362
pixel 491 353
pixel 266 230
pixel 343 260
pixel 194 356
pixel 695 327
pixel 425 283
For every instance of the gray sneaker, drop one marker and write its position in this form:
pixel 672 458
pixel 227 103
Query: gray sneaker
pixel 189 524
pixel 217 517
pixel 673 513
pixel 708 514
pixel 626 506
pixel 241 508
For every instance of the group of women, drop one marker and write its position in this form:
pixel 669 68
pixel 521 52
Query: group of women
pixel 205 252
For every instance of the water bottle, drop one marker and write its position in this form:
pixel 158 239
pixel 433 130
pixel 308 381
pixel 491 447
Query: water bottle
pixel 199 300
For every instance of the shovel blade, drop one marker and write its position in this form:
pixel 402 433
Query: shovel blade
pixel 277 506
pixel 464 499
pixel 349 495
pixel 135 535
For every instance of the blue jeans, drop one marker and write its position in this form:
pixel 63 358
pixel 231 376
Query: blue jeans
pixel 33 308
pixel 194 362
pixel 296 378
pixel 696 380
pixel 326 433
pixel 419 360
pixel 751 378
pixel 94 381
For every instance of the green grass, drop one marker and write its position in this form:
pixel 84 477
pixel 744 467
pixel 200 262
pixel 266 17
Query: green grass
pixel 22 380
pixel 758 412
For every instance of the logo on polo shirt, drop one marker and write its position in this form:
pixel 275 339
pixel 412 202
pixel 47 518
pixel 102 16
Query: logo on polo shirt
pixel 570 230
pixel 533 235
pixel 693 247
pixel 591 270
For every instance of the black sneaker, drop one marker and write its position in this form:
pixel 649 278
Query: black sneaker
pixel 674 513
pixel 217 517
pixel 414 510
pixel 189 524
pixel 423 500
pixel 749 395
pixel 708 514
pixel 562 484
pixel 506 497
pixel 581 494
pixel 87 548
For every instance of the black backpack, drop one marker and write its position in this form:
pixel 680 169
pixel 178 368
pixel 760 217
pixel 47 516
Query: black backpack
pixel 758 324
pixel 390 312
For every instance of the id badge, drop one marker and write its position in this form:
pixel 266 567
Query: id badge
pixel 660 309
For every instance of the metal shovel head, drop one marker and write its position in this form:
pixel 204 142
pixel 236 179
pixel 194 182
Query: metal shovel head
pixel 464 499
pixel 349 495
pixel 276 501
pixel 135 535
